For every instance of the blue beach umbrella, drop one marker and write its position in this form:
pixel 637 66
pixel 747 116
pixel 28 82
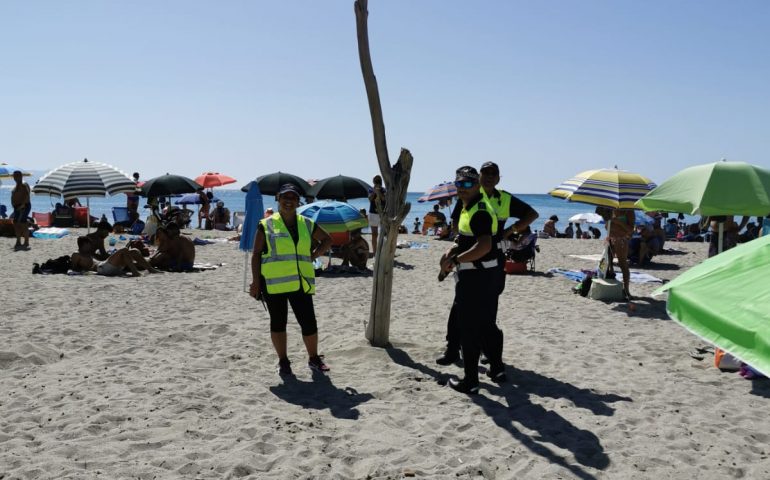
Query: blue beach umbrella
pixel 254 212
pixel 334 216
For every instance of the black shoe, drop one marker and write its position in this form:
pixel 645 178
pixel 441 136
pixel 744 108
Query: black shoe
pixel 483 359
pixel 497 375
pixel 463 387
pixel 284 367
pixel 449 357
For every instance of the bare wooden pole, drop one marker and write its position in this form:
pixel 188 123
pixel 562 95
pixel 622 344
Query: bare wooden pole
pixel 396 179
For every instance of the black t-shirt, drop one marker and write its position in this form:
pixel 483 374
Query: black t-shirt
pixel 481 224
pixel 373 206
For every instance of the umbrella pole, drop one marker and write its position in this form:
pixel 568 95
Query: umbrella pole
pixel 245 267
pixel 720 239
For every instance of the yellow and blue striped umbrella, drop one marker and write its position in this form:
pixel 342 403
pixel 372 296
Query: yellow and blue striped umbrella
pixel 605 187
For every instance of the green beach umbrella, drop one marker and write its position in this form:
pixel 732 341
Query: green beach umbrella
pixel 726 301
pixel 714 189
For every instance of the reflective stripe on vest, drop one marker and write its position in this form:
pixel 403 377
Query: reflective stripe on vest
pixel 288 267
pixel 464 224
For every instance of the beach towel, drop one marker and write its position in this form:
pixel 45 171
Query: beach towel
pixel 410 244
pixel 50 232
pixel 579 275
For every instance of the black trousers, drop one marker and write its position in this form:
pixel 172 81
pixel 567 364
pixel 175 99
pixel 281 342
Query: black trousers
pixel 474 306
pixel 453 322
pixel 301 303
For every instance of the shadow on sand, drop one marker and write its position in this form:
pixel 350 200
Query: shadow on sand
pixel 549 425
pixel 321 394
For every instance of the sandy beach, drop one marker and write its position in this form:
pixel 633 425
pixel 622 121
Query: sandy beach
pixel 174 376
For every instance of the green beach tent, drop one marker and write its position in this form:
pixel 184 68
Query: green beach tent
pixel 726 301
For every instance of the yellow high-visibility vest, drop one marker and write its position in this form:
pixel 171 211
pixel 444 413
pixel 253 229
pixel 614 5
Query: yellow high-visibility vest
pixel 464 224
pixel 288 267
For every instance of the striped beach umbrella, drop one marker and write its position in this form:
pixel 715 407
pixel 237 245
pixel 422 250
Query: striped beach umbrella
pixel 439 192
pixel 84 179
pixel 605 187
pixel 334 216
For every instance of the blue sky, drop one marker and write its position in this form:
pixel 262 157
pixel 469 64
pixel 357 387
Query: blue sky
pixel 545 89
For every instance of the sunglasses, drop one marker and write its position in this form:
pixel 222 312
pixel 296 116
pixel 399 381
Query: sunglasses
pixel 465 184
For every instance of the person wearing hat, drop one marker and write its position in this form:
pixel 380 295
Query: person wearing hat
pixel 282 273
pixel 505 206
pixel 474 257
pixel 220 216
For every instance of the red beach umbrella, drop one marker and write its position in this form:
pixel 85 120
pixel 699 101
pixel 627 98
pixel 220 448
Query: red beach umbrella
pixel 213 179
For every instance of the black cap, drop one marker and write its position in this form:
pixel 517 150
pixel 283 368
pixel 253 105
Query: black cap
pixel 490 166
pixel 467 173
pixel 289 187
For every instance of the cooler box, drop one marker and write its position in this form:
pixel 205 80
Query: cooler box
pixel 606 290
pixel 513 268
pixel 80 215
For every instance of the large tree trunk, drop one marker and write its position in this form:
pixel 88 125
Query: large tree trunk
pixel 396 179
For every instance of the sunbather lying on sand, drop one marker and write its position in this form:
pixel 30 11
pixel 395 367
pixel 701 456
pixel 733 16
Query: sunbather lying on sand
pixel 114 266
pixel 175 251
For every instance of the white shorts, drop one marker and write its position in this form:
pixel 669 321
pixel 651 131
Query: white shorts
pixel 374 220
pixel 108 270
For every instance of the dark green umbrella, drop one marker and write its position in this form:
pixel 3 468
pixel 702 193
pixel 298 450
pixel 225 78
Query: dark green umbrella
pixel 270 184
pixel 340 187
pixel 169 185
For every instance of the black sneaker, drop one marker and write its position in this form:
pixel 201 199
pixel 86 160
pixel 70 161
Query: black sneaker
pixel 449 357
pixel 284 367
pixel 497 375
pixel 463 387
pixel 317 363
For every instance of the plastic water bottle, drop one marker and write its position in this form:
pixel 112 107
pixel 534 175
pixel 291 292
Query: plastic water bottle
pixel 113 241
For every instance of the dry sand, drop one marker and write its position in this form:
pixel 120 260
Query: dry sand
pixel 173 376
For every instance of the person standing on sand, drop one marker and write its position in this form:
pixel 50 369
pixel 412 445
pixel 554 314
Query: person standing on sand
pixel 474 257
pixel 505 206
pixel 619 231
pixel 376 205
pixel 22 206
pixel 203 213
pixel 282 272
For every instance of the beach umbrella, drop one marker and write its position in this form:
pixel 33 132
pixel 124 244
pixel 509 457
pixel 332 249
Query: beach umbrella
pixel 6 171
pixel 588 217
pixel 84 179
pixel 724 301
pixel 605 187
pixel 254 212
pixel 340 187
pixel 212 179
pixel 270 184
pixel 192 199
pixel 167 184
pixel 714 189
pixel 439 192
pixel 334 216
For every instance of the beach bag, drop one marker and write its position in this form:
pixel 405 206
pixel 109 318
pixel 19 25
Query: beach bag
pixel 59 265
pixel 726 362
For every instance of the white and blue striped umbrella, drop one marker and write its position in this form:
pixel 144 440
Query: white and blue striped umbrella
pixel 84 179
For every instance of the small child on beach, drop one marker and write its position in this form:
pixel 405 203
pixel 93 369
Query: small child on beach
pixel 416 225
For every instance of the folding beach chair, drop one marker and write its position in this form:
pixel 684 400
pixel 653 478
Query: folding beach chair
pixel 523 251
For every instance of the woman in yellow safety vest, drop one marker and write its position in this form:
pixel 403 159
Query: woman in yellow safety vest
pixel 283 274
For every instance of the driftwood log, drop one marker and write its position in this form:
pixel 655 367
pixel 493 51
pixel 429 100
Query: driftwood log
pixel 396 181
